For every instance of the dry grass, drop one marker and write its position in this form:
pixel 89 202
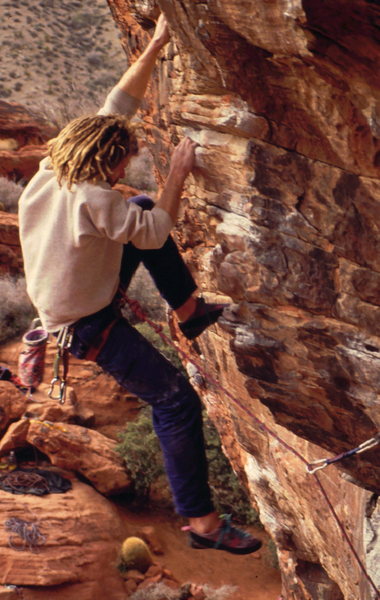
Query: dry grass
pixel 10 193
pixel 16 310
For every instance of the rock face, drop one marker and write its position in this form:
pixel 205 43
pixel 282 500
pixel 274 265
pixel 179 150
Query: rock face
pixel 282 221
pixel 22 141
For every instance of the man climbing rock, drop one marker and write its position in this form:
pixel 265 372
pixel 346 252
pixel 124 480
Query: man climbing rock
pixel 82 242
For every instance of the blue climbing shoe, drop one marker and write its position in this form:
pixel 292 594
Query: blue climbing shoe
pixel 226 537
pixel 204 315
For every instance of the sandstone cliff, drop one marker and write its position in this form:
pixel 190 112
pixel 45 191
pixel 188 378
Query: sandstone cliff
pixel 282 220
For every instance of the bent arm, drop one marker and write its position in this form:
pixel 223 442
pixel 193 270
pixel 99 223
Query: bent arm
pixel 181 164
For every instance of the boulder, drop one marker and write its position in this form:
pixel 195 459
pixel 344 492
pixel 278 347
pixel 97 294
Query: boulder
pixel 13 403
pixel 66 547
pixel 73 448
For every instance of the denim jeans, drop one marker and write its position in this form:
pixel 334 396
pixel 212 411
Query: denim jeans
pixel 142 370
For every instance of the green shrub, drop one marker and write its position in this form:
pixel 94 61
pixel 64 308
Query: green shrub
pixel 16 310
pixel 141 452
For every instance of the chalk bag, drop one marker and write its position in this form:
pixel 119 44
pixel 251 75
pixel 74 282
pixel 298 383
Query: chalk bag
pixel 32 357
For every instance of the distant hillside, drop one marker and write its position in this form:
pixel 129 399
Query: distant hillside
pixel 58 56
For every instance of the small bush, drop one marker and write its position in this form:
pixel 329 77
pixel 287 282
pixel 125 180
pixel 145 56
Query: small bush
pixel 141 452
pixel 16 310
pixel 10 193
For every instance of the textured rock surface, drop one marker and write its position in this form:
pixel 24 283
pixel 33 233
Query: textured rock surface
pixel 282 220
pixel 76 556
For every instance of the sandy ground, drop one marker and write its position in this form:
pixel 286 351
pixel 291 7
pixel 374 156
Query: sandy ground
pixel 252 576
pixel 58 56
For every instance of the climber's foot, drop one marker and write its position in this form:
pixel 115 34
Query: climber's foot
pixel 226 537
pixel 205 314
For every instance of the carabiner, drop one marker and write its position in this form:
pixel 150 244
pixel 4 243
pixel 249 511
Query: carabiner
pixel 56 380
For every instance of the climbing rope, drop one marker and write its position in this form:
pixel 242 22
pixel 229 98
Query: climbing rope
pixel 19 481
pixel 141 315
pixel 28 532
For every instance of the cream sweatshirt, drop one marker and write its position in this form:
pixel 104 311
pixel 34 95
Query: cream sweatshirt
pixel 72 240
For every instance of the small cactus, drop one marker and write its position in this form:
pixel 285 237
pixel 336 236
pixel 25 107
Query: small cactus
pixel 135 554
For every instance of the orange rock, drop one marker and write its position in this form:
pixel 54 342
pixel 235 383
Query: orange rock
pixel 79 536
pixel 154 571
pixel 130 586
pixel 134 575
pixel 149 534
pixel 23 137
pixel 73 448
pixel 12 404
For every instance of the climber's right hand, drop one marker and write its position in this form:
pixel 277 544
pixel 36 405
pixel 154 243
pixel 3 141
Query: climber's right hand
pixel 183 157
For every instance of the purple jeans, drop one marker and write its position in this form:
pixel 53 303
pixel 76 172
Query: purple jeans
pixel 142 370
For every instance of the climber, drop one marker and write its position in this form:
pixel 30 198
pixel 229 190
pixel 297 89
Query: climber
pixel 82 241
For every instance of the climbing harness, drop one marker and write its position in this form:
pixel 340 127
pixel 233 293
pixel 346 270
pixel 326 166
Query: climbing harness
pixel 93 352
pixel 58 384
pixel 139 312
pixel 317 465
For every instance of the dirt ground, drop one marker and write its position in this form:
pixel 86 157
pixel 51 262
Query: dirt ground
pixel 252 576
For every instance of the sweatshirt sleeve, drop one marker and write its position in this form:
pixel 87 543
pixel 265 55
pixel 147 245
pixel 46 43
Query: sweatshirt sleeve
pixel 112 216
pixel 119 102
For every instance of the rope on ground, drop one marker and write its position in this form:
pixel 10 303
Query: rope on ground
pixel 20 481
pixel 139 312
pixel 28 532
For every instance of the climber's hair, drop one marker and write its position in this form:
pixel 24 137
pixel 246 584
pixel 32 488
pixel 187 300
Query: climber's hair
pixel 89 148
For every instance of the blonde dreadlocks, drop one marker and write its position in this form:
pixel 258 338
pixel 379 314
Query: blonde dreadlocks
pixel 89 148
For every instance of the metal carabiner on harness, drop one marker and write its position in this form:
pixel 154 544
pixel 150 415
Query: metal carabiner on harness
pixel 64 340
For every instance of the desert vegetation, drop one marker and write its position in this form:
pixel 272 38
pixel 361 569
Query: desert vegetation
pixel 10 192
pixel 58 53
pixel 16 310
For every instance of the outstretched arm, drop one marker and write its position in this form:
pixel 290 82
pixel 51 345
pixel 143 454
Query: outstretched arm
pixel 135 80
